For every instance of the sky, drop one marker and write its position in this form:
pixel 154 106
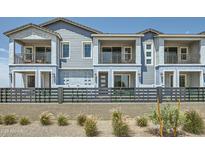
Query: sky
pixel 105 24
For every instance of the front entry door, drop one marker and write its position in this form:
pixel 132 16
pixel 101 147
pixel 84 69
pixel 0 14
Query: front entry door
pixel 103 79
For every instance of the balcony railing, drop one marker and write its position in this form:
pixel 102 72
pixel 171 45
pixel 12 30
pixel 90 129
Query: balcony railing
pixel 114 59
pixel 38 58
pixel 170 59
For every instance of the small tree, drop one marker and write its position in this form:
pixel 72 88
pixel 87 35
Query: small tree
pixel 169 118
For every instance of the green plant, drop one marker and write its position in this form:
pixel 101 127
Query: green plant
pixel 120 127
pixel 81 118
pixel 193 122
pixel 46 118
pixel 24 121
pixel 171 118
pixel 63 120
pixel 10 119
pixel 90 127
pixel 1 119
pixel 141 121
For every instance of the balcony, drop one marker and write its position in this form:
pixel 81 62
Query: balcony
pixel 117 52
pixel 39 58
pixel 182 52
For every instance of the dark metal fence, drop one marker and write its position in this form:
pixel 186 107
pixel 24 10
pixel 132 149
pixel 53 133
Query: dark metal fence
pixel 74 95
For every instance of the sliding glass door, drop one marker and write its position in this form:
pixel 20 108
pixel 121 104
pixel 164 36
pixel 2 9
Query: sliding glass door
pixel 121 80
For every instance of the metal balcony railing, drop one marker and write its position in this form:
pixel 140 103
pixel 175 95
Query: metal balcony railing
pixel 38 58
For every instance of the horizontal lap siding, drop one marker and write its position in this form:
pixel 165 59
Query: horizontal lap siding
pixel 75 36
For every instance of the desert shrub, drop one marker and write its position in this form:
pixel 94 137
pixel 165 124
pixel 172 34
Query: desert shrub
pixel 141 121
pixel 63 120
pixel 81 118
pixel 90 127
pixel 10 119
pixel 1 119
pixel 24 121
pixel 120 127
pixel 193 122
pixel 171 117
pixel 46 118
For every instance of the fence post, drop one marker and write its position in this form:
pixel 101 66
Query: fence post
pixel 60 95
pixel 159 94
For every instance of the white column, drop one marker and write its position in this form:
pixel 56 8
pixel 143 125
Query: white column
pixel 110 78
pixel 201 79
pixel 161 51
pixel 95 51
pixel 138 51
pixel 177 78
pixel 174 79
pixel 53 51
pixel 11 51
pixel 13 84
pixel 136 79
pixel 37 79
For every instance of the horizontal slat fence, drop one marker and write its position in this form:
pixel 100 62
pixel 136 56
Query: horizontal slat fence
pixel 111 95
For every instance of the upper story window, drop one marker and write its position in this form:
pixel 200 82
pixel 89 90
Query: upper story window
pixel 28 54
pixel 65 50
pixel 184 53
pixel 87 50
pixel 148 54
pixel 128 54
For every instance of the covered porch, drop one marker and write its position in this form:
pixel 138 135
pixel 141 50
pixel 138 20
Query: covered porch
pixel 31 79
pixel 183 79
pixel 117 77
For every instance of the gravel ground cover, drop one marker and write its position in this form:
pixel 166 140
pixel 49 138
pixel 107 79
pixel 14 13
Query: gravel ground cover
pixel 35 129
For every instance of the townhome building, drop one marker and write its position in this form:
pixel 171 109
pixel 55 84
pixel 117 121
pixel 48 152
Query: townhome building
pixel 63 53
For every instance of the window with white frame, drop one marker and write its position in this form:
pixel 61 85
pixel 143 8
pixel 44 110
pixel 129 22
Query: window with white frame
pixel 87 50
pixel 128 54
pixel 28 54
pixel 184 53
pixel 148 54
pixel 65 50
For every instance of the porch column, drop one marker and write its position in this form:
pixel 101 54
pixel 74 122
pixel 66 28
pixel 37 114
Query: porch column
pixel 174 79
pixel 53 51
pixel 138 51
pixel 110 79
pixel 13 83
pixel 37 79
pixel 136 79
pixel 95 51
pixel 201 82
pixel 161 51
pixel 11 51
pixel 177 78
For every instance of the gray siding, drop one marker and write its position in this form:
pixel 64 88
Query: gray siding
pixel 75 36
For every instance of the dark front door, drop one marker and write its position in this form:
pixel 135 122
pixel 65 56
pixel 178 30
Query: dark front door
pixel 103 79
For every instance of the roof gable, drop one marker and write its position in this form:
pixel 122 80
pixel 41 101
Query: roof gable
pixel 150 30
pixel 24 27
pixel 69 22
